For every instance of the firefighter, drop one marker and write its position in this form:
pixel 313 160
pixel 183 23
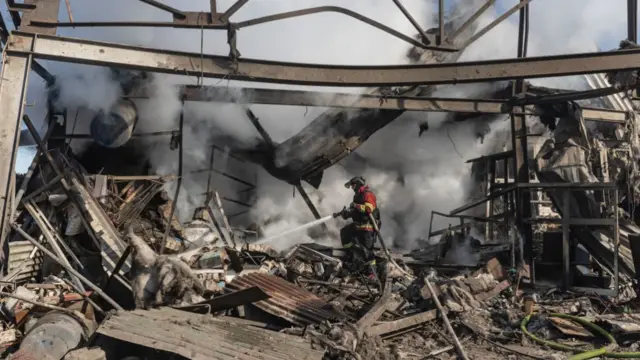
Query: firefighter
pixel 359 237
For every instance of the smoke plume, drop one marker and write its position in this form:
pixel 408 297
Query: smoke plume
pixel 411 175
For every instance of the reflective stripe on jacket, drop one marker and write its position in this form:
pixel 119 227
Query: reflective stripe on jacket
pixel 365 203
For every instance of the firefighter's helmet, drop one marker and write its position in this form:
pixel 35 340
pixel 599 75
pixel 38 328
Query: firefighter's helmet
pixel 356 180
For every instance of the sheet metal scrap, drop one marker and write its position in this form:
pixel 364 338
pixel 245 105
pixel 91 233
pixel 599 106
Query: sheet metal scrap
pixel 203 337
pixel 287 300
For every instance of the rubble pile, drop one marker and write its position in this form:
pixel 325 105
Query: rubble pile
pixel 95 271
pixel 98 266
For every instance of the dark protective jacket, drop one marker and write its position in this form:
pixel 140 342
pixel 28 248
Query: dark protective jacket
pixel 364 203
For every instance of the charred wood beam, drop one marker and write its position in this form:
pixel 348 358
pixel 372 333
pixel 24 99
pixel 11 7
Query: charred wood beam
pixel 373 101
pixel 190 64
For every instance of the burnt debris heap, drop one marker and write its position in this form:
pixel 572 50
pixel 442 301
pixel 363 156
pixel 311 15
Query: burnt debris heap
pixel 541 262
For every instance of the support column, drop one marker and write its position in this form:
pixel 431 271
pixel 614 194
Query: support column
pixel 13 90
pixel 520 146
pixel 632 20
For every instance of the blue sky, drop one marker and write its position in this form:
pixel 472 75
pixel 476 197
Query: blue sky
pixel 607 41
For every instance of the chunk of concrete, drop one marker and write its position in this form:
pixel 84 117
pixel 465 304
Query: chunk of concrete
pixel 86 354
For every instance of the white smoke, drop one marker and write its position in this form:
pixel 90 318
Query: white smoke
pixel 434 174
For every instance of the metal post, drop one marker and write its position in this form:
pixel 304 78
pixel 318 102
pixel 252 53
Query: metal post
pixel 174 204
pixel 632 20
pixel 441 36
pixel 566 238
pixel 616 242
pixel 412 20
pixel 445 319
pixel 213 151
pixel 488 187
pixel 519 144
pixel 13 87
pixel 32 169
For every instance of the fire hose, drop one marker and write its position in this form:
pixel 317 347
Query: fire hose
pixel 590 354
pixel 384 248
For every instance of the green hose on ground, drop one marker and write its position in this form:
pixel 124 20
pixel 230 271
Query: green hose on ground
pixel 581 355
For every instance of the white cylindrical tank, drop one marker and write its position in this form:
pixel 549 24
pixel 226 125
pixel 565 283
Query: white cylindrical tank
pixel 114 128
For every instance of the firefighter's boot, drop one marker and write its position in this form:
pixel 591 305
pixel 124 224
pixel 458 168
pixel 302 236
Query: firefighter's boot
pixel 372 276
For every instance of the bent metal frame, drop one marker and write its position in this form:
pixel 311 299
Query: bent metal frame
pixel 35 39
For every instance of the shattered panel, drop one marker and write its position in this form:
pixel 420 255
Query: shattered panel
pixel 288 301
pixel 24 263
pixel 203 337
pixel 112 246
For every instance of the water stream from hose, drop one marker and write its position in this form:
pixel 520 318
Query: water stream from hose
pixel 297 229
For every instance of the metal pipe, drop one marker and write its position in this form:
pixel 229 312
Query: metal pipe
pixel 445 319
pixel 175 12
pixel 39 191
pixel 36 303
pixel 31 171
pixel 118 266
pixel 451 38
pixel 232 10
pixel 441 36
pixel 178 183
pixel 412 20
pixel 340 10
pixel 213 150
pixel 71 270
pixel 632 20
pixel 384 247
pixel 566 239
pixel 114 128
pixel 228 176
pixel 86 297
pixel 495 23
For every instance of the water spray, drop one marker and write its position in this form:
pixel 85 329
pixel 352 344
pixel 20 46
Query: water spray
pixel 299 228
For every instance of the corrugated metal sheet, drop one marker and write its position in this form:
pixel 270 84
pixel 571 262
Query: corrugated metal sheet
pixel 287 300
pixel 204 337
pixel 19 262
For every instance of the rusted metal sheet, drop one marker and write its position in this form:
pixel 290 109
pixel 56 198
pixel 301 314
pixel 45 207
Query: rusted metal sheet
pixel 287 300
pixel 204 337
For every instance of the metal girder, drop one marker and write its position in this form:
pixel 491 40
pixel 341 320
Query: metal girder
pixel 193 64
pixel 44 10
pixel 365 101
pixel 13 89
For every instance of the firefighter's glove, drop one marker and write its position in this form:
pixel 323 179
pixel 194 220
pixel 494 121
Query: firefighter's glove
pixel 342 213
